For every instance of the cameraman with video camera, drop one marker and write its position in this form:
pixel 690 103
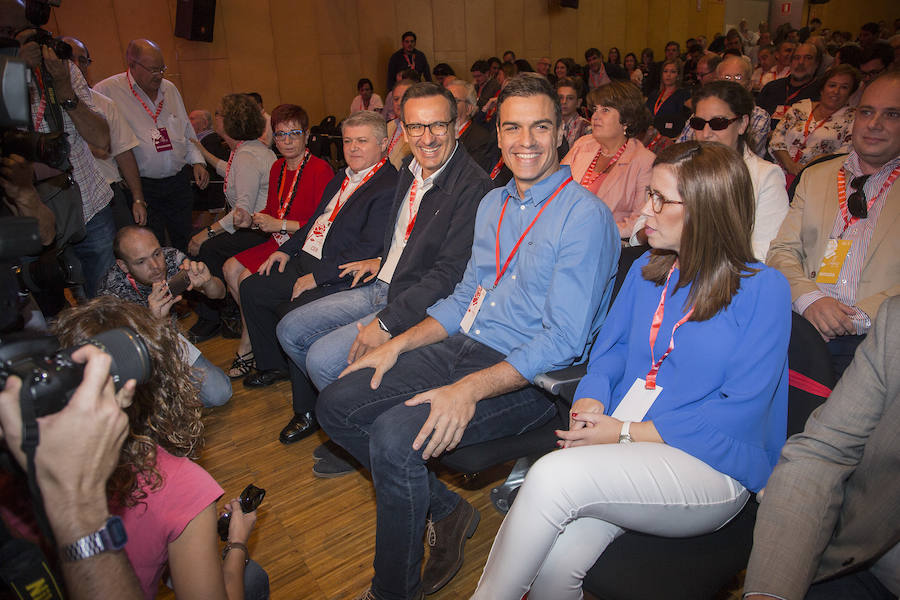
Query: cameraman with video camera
pixel 21 199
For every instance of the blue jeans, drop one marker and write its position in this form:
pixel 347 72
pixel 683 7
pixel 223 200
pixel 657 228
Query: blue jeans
pixel 256 582
pixel 95 251
pixel 378 429
pixel 317 337
pixel 215 386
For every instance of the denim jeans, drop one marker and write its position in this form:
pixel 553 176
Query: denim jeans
pixel 317 337
pixel 95 251
pixel 215 386
pixel 378 429
pixel 256 582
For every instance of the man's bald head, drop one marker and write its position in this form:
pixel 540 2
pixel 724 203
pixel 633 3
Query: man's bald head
pixel 735 68
pixel 147 65
pixel 140 49
pixel 80 54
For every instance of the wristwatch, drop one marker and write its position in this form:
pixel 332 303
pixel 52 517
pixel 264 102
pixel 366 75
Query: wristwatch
pixel 283 227
pixel 383 327
pixel 70 104
pixel 210 232
pixel 112 536
pixel 625 435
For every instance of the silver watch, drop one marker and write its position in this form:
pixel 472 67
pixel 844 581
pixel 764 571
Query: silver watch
pixel 112 536
pixel 625 434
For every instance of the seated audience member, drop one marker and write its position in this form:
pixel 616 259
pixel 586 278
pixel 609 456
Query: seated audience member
pixel 266 137
pixel 765 61
pixel 443 73
pixel 542 67
pixel 398 148
pixel 595 72
pixel 667 103
pixel 705 71
pixel 875 61
pixel 613 57
pixel 295 185
pixel 407 57
pixel 486 87
pixel 425 251
pixel 838 246
pixel 463 374
pixel 509 57
pixel 813 129
pixel 717 399
pixel 611 162
pixel 523 66
pixel 77 452
pixel 574 125
pixel 737 69
pixel 166 501
pixel 213 196
pixel 829 522
pixel 565 67
pixel 781 66
pixel 494 66
pixel 635 75
pixel 778 96
pixel 348 225
pixel 365 99
pixel 475 138
pixel 649 72
pixel 140 274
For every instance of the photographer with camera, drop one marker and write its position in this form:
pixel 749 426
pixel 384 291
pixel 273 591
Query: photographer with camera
pixel 21 198
pixel 145 273
pixel 166 501
pixel 78 451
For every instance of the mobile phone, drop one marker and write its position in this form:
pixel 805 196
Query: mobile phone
pixel 179 283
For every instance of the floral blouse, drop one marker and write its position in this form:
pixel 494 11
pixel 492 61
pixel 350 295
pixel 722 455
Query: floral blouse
pixel 804 138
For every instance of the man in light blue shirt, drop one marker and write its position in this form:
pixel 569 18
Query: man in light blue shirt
pixel 531 300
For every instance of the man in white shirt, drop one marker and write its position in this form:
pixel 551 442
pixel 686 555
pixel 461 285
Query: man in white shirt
pixel 154 109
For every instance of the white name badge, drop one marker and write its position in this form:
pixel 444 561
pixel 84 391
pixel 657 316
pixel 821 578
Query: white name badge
pixel 472 310
pixel 280 238
pixel 637 402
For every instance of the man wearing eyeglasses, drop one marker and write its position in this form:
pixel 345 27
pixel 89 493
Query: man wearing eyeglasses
pixel 153 107
pixel 474 137
pixel 838 245
pixel 778 96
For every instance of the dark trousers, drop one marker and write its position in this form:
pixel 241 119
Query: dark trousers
pixel 169 204
pixel 861 585
pixel 378 429
pixel 121 205
pixel 267 298
pixel 842 349
pixel 214 252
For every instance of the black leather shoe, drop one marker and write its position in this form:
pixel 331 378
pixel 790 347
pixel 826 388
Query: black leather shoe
pixel 300 427
pixel 203 329
pixel 264 378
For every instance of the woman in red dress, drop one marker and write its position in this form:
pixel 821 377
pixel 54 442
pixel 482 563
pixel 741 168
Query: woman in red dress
pixel 296 183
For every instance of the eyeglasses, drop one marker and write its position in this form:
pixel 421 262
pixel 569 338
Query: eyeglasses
pixel 84 60
pixel 856 203
pixel 282 136
pixel 867 75
pixel 716 123
pixel 160 71
pixel 658 201
pixel 438 128
pixel 738 77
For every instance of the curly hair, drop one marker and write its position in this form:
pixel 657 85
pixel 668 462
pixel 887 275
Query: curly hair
pixel 242 117
pixel 165 410
pixel 625 97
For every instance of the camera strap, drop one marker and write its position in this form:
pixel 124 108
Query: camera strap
pixel 24 568
pixel 30 440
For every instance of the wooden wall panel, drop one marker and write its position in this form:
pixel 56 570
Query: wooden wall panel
pixel 296 43
pixel 456 60
pixel 449 27
pixel 615 14
pixel 636 18
pixel 339 26
pixel 509 34
pixel 377 41
pixel 850 15
pixel 204 82
pixel 416 16
pixel 589 29
pixel 339 85
pixel 149 20
pixel 564 41
pixel 536 30
pixel 251 55
pixel 480 27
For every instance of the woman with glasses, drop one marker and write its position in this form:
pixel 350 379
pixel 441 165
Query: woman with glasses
pixel 683 410
pixel 610 161
pixel 295 183
pixel 813 129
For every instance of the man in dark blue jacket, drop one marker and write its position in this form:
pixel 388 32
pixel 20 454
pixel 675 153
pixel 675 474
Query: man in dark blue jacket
pixel 425 254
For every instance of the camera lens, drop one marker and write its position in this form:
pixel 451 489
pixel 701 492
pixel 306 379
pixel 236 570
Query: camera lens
pixel 131 360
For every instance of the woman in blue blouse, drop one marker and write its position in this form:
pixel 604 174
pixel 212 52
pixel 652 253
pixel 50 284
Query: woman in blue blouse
pixel 699 334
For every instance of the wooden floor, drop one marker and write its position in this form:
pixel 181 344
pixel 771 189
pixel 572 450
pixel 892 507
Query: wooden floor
pixel 315 537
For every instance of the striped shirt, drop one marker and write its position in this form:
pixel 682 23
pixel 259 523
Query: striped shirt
pixel 860 234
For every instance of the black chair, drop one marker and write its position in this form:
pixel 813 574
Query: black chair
pixel 638 566
pixel 527 447
pixel 791 189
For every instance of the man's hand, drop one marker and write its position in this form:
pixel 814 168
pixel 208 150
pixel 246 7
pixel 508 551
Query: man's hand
pixel 266 223
pixel 595 428
pixel 830 317
pixel 194 245
pixel 201 176
pixel 451 411
pixel 276 258
pixel 15 175
pixel 59 71
pixel 360 269
pixel 241 218
pixel 139 212
pixel 382 359
pixel 369 337
pixel 583 405
pixel 160 299
pixel 303 284
pixel 197 272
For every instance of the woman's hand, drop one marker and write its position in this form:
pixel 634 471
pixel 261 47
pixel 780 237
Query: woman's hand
pixel 361 269
pixel 241 218
pixel 594 428
pixel 266 223
pixel 583 405
pixel 241 523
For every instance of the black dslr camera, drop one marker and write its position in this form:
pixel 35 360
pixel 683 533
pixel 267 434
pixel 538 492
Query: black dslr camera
pixel 38 13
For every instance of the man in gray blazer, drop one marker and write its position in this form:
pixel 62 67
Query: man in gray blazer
pixel 831 509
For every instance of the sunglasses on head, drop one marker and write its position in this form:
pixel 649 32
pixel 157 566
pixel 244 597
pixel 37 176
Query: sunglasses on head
pixel 716 123
pixel 856 203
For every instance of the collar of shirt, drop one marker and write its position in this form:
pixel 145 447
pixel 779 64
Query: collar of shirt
pixel 538 193
pixel 416 170
pixel 357 177
pixel 160 95
pixel 853 168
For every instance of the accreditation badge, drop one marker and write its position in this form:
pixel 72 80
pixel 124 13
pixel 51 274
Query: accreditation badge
pixel 835 254
pixel 472 311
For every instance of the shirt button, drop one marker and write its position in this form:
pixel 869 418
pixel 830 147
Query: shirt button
pixel 513 276
pixel 843 281
pixel 493 304
pixel 522 207
pixel 477 332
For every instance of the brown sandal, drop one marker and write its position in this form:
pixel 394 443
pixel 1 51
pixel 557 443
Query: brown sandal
pixel 242 365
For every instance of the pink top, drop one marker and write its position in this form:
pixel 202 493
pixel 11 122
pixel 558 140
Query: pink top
pixel 623 189
pixel 159 519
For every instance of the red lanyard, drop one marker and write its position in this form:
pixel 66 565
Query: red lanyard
pixel 807 133
pixel 338 205
pixel 654 332
pixel 42 107
pixel 660 100
pixel 412 215
pixel 493 109
pixel 842 195
pixel 591 175
pixel 149 112
pixel 410 61
pixel 133 284
pixel 497 168
pixel 500 271
pixel 228 166
pixel 463 129
pixel 394 139
pixel 285 203
pixel 787 86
